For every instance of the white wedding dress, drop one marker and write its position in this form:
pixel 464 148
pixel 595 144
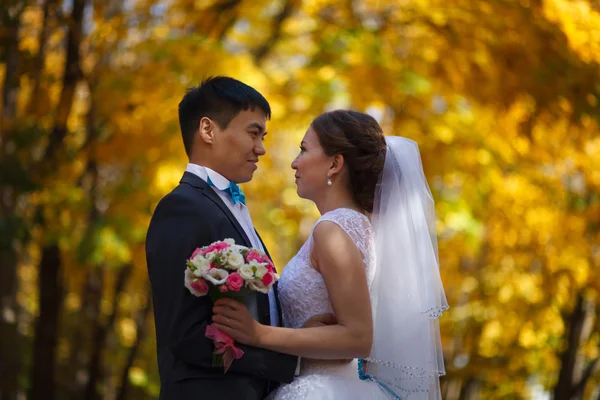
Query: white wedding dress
pixel 303 294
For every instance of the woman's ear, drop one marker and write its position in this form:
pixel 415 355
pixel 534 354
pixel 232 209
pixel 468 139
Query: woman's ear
pixel 337 163
pixel 206 130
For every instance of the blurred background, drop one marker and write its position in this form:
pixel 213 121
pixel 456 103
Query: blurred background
pixel 501 95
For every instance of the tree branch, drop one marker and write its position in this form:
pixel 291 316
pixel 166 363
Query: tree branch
pixel 71 77
pixel 38 63
pixel 261 52
pixel 11 20
pixel 591 369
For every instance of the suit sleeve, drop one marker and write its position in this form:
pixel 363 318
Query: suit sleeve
pixel 177 228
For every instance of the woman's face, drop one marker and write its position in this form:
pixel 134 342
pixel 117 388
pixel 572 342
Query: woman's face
pixel 312 166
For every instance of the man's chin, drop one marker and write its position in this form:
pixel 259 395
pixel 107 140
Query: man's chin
pixel 244 179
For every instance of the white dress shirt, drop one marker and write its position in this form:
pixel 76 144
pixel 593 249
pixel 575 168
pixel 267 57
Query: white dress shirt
pixel 240 212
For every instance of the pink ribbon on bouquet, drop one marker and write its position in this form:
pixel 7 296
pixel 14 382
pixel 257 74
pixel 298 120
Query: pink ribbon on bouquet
pixel 224 345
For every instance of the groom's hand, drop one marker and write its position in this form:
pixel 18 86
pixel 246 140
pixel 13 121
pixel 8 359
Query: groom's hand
pixel 233 318
pixel 320 320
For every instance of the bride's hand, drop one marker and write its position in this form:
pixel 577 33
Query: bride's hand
pixel 234 319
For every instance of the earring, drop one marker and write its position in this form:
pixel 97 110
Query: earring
pixel 329 183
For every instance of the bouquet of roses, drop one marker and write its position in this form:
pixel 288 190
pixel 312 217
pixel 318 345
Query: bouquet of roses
pixel 225 269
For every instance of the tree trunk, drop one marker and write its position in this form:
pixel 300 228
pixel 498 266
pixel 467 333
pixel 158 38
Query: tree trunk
pixel 10 361
pixel 43 383
pixel 100 335
pixel 470 390
pixel 574 375
pixel 141 324
pixel 10 17
pixel 78 356
pixel 452 388
pixel 46 332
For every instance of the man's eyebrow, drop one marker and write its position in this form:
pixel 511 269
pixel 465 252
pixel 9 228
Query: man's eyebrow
pixel 256 125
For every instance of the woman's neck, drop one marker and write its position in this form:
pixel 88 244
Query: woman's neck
pixel 336 199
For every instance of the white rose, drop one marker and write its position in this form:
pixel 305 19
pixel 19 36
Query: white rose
pixel 234 249
pixel 188 278
pixel 257 285
pixel 201 264
pixel 255 264
pixel 216 276
pixel 261 270
pixel 210 256
pixel 235 260
pixel 229 241
pixel 246 272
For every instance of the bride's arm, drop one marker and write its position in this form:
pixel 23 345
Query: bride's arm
pixel 340 263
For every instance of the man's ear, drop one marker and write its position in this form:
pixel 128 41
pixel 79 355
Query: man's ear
pixel 206 130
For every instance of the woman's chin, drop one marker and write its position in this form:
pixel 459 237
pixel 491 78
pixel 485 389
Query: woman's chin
pixel 300 193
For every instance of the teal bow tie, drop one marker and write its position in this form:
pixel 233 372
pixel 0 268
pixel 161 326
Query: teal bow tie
pixel 234 191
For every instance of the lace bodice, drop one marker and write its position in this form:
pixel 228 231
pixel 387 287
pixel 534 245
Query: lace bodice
pixel 302 290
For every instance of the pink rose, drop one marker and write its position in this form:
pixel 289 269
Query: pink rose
pixel 208 249
pixel 267 279
pixel 217 247
pixel 200 286
pixel 270 265
pixel 213 265
pixel 223 289
pixel 235 282
pixel 254 255
pixel 195 253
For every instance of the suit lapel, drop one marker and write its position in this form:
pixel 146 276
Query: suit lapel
pixel 263 244
pixel 207 191
pixel 275 286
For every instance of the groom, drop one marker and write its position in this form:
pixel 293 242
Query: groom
pixel 223 124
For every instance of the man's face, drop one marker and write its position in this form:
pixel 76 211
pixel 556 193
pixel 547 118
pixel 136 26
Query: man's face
pixel 238 147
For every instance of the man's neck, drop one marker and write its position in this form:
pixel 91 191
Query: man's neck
pixel 211 166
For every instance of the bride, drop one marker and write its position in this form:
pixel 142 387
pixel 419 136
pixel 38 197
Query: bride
pixel 371 260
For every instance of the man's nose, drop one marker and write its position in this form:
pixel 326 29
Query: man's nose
pixel 260 149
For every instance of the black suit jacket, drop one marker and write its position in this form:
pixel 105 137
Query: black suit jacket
pixel 192 216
